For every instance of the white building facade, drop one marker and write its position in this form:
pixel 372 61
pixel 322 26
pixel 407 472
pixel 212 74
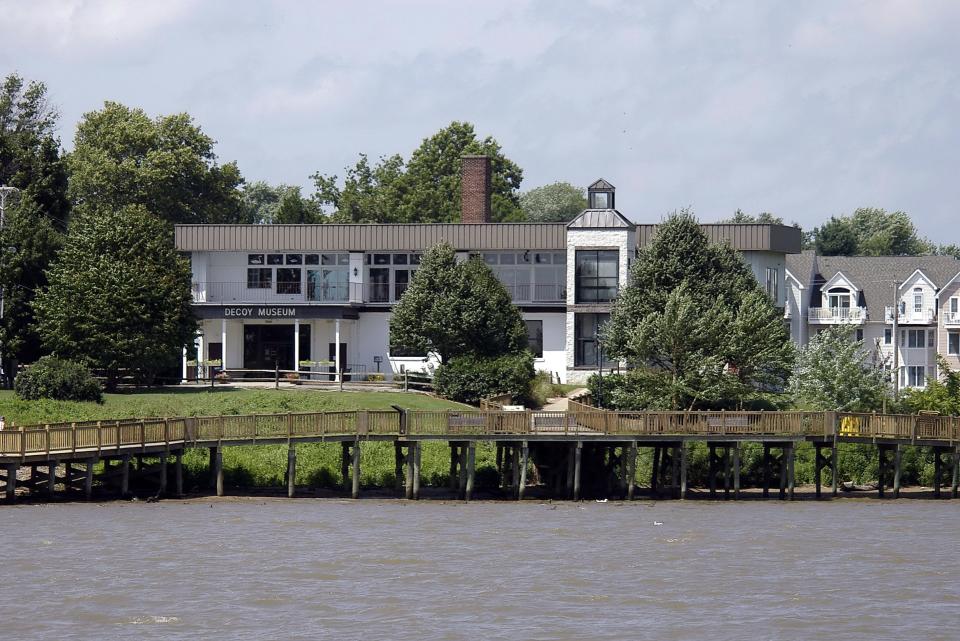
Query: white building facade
pixel 899 306
pixel 317 299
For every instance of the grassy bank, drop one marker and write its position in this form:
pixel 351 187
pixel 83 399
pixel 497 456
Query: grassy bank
pixel 204 402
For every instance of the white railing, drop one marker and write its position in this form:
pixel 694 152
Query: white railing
pixel 837 314
pixel 525 293
pixel 910 316
pixel 277 293
pixel 951 318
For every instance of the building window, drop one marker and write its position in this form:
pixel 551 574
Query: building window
pixel 772 284
pixel 916 375
pixel 311 259
pixel 294 259
pixel 955 306
pixel 838 298
pixel 389 275
pixel 332 281
pixel 529 275
pixel 917 300
pixel 288 281
pixel 931 338
pixel 535 337
pixel 597 275
pixel 887 336
pixel 254 259
pixel 953 343
pixel 274 259
pixel 259 278
pixel 587 349
pixel 917 338
pixel 859 335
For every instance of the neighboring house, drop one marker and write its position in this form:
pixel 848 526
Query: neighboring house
pixel 278 295
pixel 868 293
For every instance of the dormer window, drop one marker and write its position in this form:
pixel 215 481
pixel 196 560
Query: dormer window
pixel 600 195
pixel 838 298
pixel 917 299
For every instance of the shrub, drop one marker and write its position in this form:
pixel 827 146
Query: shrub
pixel 62 380
pixel 469 378
pixel 376 377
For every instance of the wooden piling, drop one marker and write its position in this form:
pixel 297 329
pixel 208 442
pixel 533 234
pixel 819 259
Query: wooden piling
pixel 631 470
pixel 577 458
pixel 791 459
pixel 897 470
pixel 524 457
pixel 766 470
pixel 471 464
pixel 570 462
pixel 817 467
pixel 11 489
pixel 213 467
pixel 416 470
pixel 355 464
pixel 655 471
pixel 398 465
pixel 291 470
pixel 834 467
pixel 88 479
pixel 712 469
pixel 52 477
pixel 782 459
pixel 453 479
pixel 218 470
pixel 726 472
pixel 675 469
pixel 736 471
pixel 408 481
pixel 683 471
pixel 515 468
pixel 936 473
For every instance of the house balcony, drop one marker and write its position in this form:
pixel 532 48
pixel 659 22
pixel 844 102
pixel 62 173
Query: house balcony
pixel 541 293
pixel 951 318
pixel 910 317
pixel 837 315
pixel 292 293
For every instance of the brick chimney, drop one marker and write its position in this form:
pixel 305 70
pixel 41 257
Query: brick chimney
pixel 475 189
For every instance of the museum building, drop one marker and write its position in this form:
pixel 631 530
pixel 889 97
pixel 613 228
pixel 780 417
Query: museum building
pixel 318 298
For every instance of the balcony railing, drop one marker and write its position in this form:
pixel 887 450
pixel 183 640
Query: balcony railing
pixel 837 314
pixel 911 317
pixel 951 318
pixel 525 293
pixel 279 292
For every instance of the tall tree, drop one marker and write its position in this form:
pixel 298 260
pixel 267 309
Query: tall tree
pixel 119 296
pixel 263 203
pixel 424 189
pixel 870 231
pixel 764 217
pixel 554 203
pixel 453 309
pixel 836 238
pixel 695 325
pixel 29 161
pixel 123 157
pixel 835 372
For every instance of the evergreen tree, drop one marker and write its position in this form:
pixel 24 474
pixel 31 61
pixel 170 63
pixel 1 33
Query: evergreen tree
pixel 119 298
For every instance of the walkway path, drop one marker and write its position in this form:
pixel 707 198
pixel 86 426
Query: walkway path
pixel 561 404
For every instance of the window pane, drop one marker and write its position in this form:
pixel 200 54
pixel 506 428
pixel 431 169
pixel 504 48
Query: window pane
pixel 343 259
pixel 399 259
pixel 953 343
pixel 259 278
pixel 535 337
pixel 294 259
pixel 254 259
pixel 288 281
pixel 274 259
pixel 379 285
pixel 381 259
pixel 312 259
pixel 508 259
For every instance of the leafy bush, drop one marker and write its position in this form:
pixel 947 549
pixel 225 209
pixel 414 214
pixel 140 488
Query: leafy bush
pixel 58 379
pixel 376 377
pixel 469 378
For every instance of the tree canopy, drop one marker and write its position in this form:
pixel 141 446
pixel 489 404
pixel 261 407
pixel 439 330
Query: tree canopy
pixel 870 231
pixel 764 217
pixel 283 204
pixel 695 326
pixel 167 165
pixel 455 308
pixel 119 297
pixel 423 189
pixel 835 372
pixel 554 203
pixel 36 214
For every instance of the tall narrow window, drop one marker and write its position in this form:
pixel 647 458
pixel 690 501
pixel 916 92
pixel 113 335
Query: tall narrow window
pixel 887 336
pixel 917 300
pixel 288 280
pixel 587 350
pixel 953 343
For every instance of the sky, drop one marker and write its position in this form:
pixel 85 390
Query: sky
pixel 802 109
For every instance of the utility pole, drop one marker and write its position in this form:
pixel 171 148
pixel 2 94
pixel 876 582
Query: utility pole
pixel 896 342
pixel 5 193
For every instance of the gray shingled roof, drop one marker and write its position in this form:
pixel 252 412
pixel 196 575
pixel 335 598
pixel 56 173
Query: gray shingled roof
pixel 600 219
pixel 873 275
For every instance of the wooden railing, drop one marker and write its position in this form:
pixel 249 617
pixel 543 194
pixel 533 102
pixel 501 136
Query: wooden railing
pixel 105 437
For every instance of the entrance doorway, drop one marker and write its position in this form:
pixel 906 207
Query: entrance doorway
pixel 268 346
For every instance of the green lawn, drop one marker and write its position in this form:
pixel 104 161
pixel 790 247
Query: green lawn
pixel 204 402
pixel 318 464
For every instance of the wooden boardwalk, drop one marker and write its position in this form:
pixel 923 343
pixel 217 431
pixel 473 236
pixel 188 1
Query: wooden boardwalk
pixel 564 443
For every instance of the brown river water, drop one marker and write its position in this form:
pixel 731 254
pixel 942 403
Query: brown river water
pixel 386 569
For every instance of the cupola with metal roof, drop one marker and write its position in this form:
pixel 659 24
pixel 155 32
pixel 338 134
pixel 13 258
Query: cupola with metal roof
pixel 600 195
pixel 600 212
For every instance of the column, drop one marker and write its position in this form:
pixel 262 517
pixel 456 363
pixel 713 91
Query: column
pixel 223 344
pixel 296 344
pixel 336 349
pixel 200 357
pixel 183 370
